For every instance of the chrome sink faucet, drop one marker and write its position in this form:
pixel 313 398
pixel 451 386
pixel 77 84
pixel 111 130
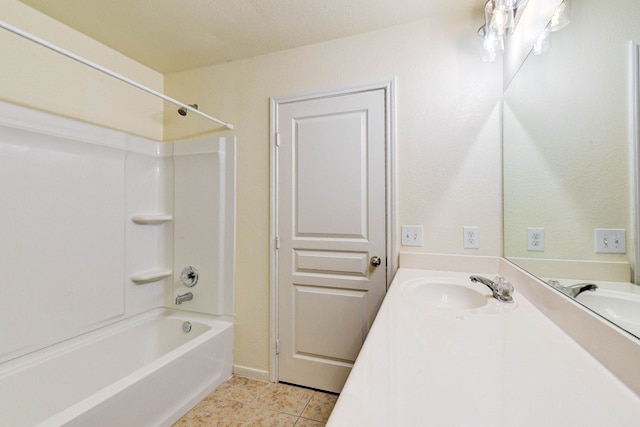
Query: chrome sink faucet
pixel 184 297
pixel 501 288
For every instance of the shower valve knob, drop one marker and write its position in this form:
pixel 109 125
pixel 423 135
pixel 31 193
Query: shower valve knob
pixel 189 276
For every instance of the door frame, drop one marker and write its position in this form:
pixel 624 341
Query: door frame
pixel 634 120
pixel 389 88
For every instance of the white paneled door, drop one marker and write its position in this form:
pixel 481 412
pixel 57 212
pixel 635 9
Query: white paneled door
pixel 331 256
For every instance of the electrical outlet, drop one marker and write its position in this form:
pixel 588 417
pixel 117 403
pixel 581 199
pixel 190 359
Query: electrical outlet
pixel 611 240
pixel 471 236
pixel 535 239
pixel 411 235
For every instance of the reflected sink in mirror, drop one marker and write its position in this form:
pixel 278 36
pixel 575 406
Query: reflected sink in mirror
pixel 622 308
pixel 446 296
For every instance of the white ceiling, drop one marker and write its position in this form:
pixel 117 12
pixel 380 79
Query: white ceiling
pixel 172 35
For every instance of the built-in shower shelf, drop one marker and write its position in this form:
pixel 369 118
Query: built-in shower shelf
pixel 152 219
pixel 151 275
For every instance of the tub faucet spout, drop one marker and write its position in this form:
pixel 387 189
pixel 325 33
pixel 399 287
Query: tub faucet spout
pixel 501 289
pixel 578 288
pixel 184 297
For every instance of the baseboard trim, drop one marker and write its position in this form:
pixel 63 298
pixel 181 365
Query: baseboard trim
pixel 256 374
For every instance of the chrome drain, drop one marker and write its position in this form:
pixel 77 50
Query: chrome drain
pixel 186 326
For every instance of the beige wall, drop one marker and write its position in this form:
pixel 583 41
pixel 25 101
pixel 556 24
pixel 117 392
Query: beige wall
pixel 448 140
pixel 448 125
pixel 37 77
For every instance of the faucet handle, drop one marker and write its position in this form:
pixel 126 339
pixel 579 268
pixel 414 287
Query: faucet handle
pixel 189 276
pixel 504 290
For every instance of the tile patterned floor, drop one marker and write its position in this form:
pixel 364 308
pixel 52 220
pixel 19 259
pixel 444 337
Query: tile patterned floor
pixel 244 402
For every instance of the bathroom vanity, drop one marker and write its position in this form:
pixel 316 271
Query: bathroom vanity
pixel 444 351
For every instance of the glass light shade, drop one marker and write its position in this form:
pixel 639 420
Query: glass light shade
pixel 542 44
pixel 510 4
pixel 492 43
pixel 561 17
pixel 488 12
pixel 489 53
pixel 498 20
pixel 506 4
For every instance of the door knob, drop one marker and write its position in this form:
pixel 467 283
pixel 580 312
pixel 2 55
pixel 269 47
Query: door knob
pixel 375 261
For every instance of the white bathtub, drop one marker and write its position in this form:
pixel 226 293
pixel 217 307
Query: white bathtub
pixel 145 371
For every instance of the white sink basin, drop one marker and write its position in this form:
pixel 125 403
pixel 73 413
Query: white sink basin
pixel 445 296
pixel 622 308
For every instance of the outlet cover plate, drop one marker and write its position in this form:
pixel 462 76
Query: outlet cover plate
pixel 471 236
pixel 535 239
pixel 411 235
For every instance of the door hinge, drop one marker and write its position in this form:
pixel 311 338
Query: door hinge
pixel 277 139
pixel 277 242
pixel 277 346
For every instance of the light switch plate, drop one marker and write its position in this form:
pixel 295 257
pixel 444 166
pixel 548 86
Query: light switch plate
pixel 611 240
pixel 411 235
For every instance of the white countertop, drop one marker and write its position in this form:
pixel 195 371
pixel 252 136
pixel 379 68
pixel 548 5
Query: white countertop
pixel 497 366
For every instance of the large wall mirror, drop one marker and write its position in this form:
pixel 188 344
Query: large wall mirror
pixel 569 160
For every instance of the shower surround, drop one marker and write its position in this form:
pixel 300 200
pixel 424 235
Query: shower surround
pixel 98 224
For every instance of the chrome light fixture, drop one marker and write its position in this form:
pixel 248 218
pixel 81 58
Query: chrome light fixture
pixel 500 18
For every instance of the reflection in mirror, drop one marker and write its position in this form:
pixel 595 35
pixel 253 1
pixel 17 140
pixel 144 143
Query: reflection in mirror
pixel 568 161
